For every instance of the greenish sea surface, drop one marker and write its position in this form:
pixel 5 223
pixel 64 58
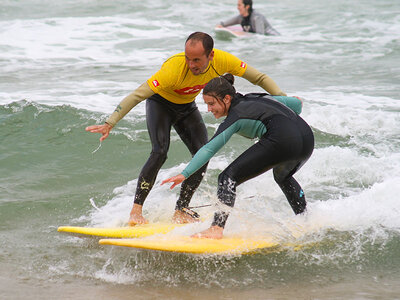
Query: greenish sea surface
pixel 65 65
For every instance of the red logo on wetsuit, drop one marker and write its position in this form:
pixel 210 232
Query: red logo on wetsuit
pixel 243 65
pixel 190 90
pixel 155 83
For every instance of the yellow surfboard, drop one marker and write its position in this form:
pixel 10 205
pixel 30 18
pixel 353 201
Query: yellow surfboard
pixel 186 244
pixel 120 232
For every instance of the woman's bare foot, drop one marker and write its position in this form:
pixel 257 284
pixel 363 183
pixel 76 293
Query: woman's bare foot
pixel 214 232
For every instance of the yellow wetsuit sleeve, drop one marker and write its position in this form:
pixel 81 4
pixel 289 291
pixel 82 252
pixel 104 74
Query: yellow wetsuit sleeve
pixel 262 80
pixel 129 102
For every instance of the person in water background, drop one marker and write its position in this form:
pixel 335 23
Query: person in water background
pixel 170 95
pixel 285 143
pixel 250 20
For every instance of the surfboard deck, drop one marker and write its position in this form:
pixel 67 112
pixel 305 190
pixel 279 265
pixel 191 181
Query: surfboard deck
pixel 230 32
pixel 120 232
pixel 184 244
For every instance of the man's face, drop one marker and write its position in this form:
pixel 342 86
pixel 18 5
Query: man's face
pixel 196 58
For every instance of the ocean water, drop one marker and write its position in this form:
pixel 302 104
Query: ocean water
pixel 65 65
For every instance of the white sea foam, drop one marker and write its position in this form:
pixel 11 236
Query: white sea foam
pixel 338 191
pixel 64 38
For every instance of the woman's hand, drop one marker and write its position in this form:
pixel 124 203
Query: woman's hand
pixel 103 129
pixel 176 180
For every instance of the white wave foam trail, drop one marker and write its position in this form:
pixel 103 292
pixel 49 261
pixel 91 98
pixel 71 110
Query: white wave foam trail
pixel 345 204
pixel 353 114
pixel 374 207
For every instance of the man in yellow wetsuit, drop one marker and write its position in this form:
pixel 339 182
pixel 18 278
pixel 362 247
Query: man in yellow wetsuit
pixel 170 95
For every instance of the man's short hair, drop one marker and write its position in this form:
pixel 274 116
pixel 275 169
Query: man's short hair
pixel 204 38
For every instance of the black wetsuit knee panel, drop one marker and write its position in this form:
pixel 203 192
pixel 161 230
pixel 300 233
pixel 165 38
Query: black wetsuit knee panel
pixel 226 189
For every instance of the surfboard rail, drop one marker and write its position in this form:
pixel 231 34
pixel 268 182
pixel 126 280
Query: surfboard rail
pixel 185 244
pixel 120 232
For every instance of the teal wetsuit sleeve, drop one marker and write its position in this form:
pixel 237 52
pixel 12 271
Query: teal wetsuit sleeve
pixel 209 150
pixel 293 103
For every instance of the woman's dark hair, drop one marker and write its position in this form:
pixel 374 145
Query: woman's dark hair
pixel 204 38
pixel 220 86
pixel 248 2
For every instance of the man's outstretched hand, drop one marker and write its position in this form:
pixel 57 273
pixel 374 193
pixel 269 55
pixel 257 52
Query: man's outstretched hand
pixel 103 129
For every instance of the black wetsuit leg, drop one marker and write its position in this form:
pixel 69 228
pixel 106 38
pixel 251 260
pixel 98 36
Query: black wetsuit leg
pixel 159 123
pixel 193 133
pixel 161 115
pixel 283 173
pixel 286 146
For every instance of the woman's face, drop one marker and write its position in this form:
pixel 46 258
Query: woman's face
pixel 243 10
pixel 217 107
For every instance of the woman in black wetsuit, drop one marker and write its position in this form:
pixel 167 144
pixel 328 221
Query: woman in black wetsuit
pixel 285 143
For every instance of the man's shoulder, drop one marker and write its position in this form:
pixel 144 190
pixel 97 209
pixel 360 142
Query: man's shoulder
pixel 176 58
pixel 219 51
pixel 170 70
pixel 226 62
pixel 221 54
pixel 174 63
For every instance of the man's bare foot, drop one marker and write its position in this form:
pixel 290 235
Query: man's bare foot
pixel 136 216
pixel 137 219
pixel 182 217
pixel 214 232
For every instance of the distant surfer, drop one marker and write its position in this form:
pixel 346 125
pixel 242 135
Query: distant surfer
pixel 285 144
pixel 250 20
pixel 170 95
